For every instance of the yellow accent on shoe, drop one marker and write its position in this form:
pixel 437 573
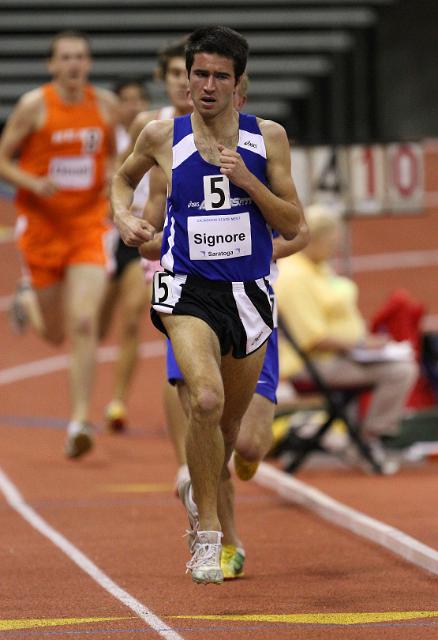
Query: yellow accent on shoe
pixel 280 427
pixel 245 469
pixel 115 416
pixel 232 560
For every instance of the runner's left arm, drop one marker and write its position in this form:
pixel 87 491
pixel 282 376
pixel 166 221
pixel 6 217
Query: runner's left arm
pixel 282 248
pixel 279 203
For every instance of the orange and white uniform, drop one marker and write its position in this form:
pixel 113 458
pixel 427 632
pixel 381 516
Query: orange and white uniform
pixel 72 148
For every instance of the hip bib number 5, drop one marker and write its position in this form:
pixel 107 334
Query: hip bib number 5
pixel 162 289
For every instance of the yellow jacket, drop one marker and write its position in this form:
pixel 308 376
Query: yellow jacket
pixel 314 303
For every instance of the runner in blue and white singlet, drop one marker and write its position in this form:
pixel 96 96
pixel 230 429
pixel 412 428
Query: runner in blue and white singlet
pixel 216 239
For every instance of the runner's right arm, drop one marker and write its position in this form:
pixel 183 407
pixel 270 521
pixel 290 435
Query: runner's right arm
pixel 135 231
pixel 154 212
pixel 25 118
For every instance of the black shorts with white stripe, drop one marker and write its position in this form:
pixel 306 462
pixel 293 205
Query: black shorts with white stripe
pixel 239 313
pixel 123 256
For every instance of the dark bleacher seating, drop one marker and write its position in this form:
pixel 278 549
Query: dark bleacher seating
pixel 305 54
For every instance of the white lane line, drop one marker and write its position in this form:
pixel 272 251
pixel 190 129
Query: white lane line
pixel 16 501
pixel 378 532
pixel 396 260
pixel 44 366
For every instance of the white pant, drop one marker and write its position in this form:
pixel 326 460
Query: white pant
pixel 392 383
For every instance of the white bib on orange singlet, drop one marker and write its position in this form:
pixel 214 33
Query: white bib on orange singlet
pixel 72 172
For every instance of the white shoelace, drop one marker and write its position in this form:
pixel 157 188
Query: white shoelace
pixel 204 555
pixel 191 535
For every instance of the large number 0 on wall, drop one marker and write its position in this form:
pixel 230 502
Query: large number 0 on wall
pixel 362 179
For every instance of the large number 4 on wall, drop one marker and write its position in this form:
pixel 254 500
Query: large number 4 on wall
pixel 367 179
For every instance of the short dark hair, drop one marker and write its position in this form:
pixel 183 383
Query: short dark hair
pixel 175 49
pixel 221 40
pixel 133 81
pixel 70 33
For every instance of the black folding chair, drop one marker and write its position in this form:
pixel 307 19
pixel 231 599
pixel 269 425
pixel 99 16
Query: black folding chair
pixel 336 401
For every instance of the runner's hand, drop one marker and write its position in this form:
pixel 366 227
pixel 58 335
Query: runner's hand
pixel 134 231
pixel 44 187
pixel 152 249
pixel 233 166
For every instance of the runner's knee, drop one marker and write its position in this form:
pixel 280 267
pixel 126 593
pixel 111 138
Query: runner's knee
pixel 206 402
pixel 83 325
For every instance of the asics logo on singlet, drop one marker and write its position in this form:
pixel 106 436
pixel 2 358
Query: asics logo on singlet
pixel 235 202
pixel 248 143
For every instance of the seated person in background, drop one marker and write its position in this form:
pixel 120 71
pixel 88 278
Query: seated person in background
pixel 320 309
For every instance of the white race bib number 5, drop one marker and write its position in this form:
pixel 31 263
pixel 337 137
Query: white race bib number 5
pixel 216 192
pixel 161 291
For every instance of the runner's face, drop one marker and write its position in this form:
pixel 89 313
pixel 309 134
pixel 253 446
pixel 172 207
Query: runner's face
pixel 71 62
pixel 131 102
pixel 212 83
pixel 177 85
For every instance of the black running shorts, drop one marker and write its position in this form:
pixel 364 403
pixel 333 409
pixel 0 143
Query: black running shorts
pixel 123 256
pixel 238 312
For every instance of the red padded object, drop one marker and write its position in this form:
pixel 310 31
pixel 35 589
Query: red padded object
pixel 400 317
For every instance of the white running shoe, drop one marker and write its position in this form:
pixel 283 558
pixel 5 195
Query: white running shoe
pixel 185 492
pixel 205 565
pixel 79 439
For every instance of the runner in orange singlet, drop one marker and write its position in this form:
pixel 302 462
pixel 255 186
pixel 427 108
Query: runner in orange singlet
pixel 63 134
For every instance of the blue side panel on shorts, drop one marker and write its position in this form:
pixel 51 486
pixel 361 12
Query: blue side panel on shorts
pixel 247 255
pixel 268 380
pixel 173 370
